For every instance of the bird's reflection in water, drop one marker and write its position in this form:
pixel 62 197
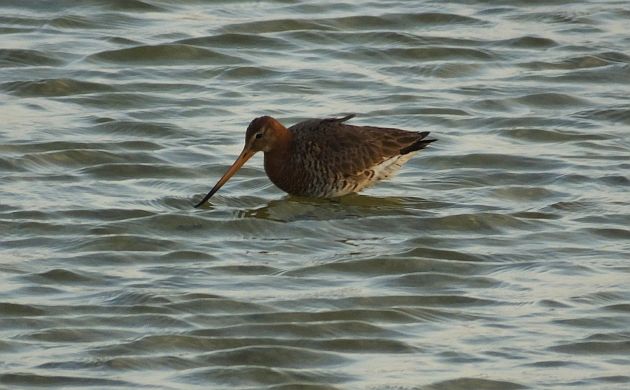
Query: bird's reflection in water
pixel 294 208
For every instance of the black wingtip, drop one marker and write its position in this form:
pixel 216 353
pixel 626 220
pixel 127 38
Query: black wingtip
pixel 421 143
pixel 342 119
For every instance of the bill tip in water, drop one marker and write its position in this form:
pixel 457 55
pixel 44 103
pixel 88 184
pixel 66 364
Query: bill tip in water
pixel 198 205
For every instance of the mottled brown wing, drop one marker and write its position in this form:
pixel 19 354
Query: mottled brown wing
pixel 351 150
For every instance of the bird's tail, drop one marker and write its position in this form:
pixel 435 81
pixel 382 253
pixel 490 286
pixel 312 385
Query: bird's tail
pixel 420 143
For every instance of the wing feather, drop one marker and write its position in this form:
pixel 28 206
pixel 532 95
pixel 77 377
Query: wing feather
pixel 351 150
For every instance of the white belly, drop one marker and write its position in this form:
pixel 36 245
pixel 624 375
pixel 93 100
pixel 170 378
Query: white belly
pixel 384 170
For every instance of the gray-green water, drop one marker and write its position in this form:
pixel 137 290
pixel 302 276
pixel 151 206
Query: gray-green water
pixel 497 259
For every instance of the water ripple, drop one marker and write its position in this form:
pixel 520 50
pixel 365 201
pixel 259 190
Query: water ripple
pixel 165 54
pixel 20 57
pixel 501 251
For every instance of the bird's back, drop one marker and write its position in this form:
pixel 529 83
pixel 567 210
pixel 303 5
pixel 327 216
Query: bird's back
pixel 331 158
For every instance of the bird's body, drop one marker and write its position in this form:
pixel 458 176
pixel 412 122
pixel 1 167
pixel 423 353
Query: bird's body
pixel 326 157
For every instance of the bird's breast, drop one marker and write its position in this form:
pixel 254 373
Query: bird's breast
pixel 303 174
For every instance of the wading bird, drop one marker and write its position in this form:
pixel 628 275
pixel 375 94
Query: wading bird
pixel 325 157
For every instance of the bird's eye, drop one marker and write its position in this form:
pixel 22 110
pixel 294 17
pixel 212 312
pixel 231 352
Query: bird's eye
pixel 259 136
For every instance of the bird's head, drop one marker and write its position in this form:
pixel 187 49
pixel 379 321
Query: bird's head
pixel 263 134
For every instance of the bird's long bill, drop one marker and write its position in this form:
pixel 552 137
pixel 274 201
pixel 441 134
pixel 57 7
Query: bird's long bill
pixel 245 155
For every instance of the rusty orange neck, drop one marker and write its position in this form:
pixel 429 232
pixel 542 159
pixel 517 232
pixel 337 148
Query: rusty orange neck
pixel 281 138
pixel 278 156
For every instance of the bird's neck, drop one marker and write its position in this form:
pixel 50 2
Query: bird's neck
pixel 279 157
pixel 283 139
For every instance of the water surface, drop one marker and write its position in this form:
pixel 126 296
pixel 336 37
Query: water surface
pixel 497 259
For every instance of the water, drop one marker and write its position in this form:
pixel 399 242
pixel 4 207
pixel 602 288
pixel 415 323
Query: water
pixel 497 259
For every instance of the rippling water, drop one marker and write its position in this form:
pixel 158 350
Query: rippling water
pixel 497 259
